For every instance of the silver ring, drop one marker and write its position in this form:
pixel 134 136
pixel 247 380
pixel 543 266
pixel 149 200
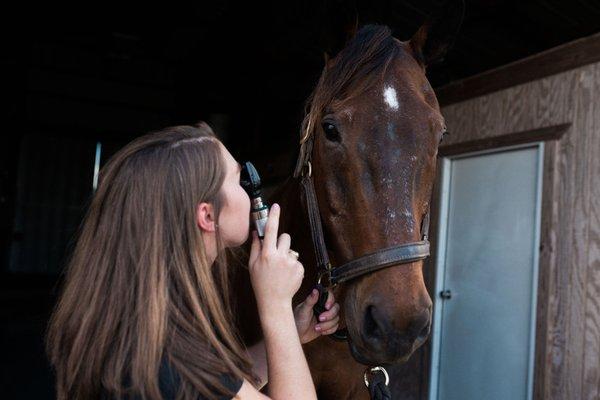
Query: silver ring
pixel 293 253
pixel 375 369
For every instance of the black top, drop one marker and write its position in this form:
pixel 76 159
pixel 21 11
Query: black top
pixel 168 382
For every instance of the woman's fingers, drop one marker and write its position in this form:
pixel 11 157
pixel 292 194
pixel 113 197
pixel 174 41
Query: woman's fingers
pixel 329 314
pixel 327 326
pixel 330 331
pixel 329 320
pixel 284 241
pixel 330 300
pixel 271 228
pixel 275 276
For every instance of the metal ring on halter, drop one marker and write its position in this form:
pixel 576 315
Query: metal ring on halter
pixel 309 165
pixel 375 369
pixel 293 253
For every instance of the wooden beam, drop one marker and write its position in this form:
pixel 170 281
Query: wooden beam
pixel 550 62
pixel 553 132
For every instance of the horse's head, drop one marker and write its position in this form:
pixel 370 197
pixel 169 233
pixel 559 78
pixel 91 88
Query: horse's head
pixel 376 126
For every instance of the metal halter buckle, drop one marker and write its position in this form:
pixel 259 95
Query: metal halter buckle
pixel 373 370
pixel 327 274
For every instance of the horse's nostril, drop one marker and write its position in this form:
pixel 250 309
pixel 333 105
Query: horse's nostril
pixel 372 329
pixel 419 328
pixel 424 332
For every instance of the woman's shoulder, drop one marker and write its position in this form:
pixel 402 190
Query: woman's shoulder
pixel 169 382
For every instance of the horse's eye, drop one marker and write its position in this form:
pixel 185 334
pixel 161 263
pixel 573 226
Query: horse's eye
pixel 331 132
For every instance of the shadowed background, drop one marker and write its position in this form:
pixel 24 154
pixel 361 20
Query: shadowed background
pixel 80 82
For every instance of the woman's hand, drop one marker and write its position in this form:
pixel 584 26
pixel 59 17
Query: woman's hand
pixel 308 327
pixel 275 274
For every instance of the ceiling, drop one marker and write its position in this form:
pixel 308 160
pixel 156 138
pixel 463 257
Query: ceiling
pixel 253 61
pixel 278 37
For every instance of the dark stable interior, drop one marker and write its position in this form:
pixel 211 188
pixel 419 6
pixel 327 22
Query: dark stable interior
pixel 82 81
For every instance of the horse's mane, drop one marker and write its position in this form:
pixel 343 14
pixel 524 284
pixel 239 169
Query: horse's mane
pixel 358 65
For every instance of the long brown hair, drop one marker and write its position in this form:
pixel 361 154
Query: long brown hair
pixel 139 287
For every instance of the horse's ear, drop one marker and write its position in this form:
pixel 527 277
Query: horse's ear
pixel 343 25
pixel 436 36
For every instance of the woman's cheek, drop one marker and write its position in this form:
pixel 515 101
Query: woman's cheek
pixel 247 204
pixel 246 217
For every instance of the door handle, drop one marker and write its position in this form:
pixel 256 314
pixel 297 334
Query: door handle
pixel 446 294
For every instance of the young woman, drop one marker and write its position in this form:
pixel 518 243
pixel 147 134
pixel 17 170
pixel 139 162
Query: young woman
pixel 145 309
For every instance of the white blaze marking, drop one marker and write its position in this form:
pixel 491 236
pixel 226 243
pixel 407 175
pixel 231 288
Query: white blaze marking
pixel 389 96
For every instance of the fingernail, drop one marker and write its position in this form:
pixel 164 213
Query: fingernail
pixel 327 306
pixel 315 292
pixel 317 328
pixel 321 318
pixel 275 206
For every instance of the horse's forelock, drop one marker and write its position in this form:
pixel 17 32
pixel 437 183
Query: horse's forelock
pixel 357 66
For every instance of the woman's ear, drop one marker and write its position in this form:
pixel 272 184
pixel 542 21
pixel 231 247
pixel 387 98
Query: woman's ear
pixel 205 217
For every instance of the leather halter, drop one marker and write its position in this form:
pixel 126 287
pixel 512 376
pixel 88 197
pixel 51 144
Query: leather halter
pixel 329 276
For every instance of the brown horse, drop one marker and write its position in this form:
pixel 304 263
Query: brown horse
pixel 376 125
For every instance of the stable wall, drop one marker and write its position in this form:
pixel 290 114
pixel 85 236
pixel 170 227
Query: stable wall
pixel 567 361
